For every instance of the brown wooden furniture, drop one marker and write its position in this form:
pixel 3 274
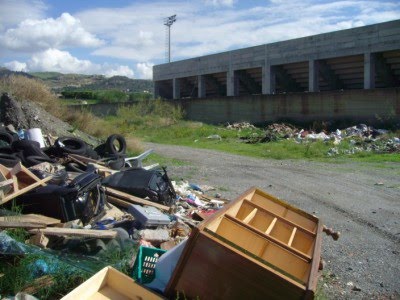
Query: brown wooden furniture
pixel 256 247
pixel 110 283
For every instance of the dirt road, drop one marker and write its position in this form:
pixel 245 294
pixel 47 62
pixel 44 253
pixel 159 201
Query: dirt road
pixel 360 200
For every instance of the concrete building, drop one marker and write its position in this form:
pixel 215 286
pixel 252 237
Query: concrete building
pixel 364 57
pixel 354 59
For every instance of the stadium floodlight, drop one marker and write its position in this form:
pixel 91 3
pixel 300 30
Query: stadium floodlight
pixel 168 22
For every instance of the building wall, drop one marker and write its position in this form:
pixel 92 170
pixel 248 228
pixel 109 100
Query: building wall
pixel 365 106
pixel 372 38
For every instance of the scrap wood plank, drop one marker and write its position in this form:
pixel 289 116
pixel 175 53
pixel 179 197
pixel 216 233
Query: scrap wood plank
pixel 28 225
pixel 118 202
pixel 56 231
pixel 83 159
pixel 31 218
pixel 17 192
pixel 134 199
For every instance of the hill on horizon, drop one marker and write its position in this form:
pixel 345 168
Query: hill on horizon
pixel 59 82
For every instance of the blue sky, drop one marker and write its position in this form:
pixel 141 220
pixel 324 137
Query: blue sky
pixel 121 37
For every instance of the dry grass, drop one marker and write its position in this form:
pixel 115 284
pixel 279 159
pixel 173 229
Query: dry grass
pixel 134 145
pixel 84 120
pixel 23 88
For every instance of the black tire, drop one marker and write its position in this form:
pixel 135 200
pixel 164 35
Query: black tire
pixel 111 147
pixel 8 160
pixel 6 137
pixel 75 167
pixel 71 145
pixel 91 153
pixel 101 150
pixel 6 150
pixel 24 144
pixel 35 160
pixel 28 148
pixel 116 164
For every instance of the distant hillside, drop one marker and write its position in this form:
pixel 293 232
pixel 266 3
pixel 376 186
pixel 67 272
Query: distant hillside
pixel 61 82
pixel 6 72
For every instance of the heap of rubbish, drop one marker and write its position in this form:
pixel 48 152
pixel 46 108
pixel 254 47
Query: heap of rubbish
pixel 360 137
pixel 75 200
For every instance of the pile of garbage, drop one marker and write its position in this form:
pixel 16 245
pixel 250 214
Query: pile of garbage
pixel 361 137
pixel 71 196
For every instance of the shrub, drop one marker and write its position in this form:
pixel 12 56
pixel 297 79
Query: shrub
pixel 23 88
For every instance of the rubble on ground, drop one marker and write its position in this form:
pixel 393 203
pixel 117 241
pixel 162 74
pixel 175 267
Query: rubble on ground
pixel 360 137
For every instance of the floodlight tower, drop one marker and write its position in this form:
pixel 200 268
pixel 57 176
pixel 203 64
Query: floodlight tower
pixel 168 22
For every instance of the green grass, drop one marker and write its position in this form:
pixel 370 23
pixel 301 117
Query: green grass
pixel 160 122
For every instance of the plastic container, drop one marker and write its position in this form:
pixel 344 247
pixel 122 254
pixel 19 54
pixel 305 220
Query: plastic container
pixel 35 134
pixel 145 264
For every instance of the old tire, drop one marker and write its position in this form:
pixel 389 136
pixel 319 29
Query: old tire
pixel 6 137
pixel 112 148
pixel 8 160
pixel 71 145
pixel 36 159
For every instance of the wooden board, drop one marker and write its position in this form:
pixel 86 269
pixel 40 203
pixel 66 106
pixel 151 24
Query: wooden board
pixel 31 218
pixel 56 231
pixel 110 283
pixel 27 225
pixel 133 199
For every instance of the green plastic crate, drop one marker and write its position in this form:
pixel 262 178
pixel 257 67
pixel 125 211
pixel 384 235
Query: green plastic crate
pixel 145 264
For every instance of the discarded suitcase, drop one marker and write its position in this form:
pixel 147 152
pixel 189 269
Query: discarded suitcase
pixel 143 183
pixel 81 199
pixel 148 216
pixel 256 247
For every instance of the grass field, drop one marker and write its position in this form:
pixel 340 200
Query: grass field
pixel 157 122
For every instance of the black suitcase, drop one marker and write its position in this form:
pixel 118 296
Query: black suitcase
pixel 154 184
pixel 82 199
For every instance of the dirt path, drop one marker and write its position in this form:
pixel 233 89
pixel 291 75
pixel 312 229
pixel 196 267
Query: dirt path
pixel 360 200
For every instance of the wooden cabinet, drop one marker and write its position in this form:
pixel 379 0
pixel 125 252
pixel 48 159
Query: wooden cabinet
pixel 256 247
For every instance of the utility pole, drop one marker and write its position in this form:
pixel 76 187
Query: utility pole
pixel 168 22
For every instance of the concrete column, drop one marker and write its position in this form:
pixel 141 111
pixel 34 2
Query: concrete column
pixel 268 79
pixel 369 70
pixel 201 79
pixel 176 88
pixel 313 75
pixel 156 90
pixel 230 83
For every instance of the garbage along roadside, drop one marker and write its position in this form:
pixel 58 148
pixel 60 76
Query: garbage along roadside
pixel 78 199
pixel 361 137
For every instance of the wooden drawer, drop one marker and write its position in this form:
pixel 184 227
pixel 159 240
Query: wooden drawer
pixel 275 240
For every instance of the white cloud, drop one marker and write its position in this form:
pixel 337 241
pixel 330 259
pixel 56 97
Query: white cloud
pixel 220 2
pixel 62 61
pixel 13 12
pixel 16 66
pixel 145 70
pixel 35 35
pixel 121 71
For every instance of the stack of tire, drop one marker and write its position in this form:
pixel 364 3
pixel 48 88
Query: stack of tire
pixel 29 153
pixel 113 151
pixel 7 156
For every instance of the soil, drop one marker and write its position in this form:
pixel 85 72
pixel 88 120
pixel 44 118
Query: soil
pixel 26 114
pixel 361 200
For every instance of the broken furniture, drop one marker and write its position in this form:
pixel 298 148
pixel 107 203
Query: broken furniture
pixel 256 247
pixel 110 283
pixel 17 181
